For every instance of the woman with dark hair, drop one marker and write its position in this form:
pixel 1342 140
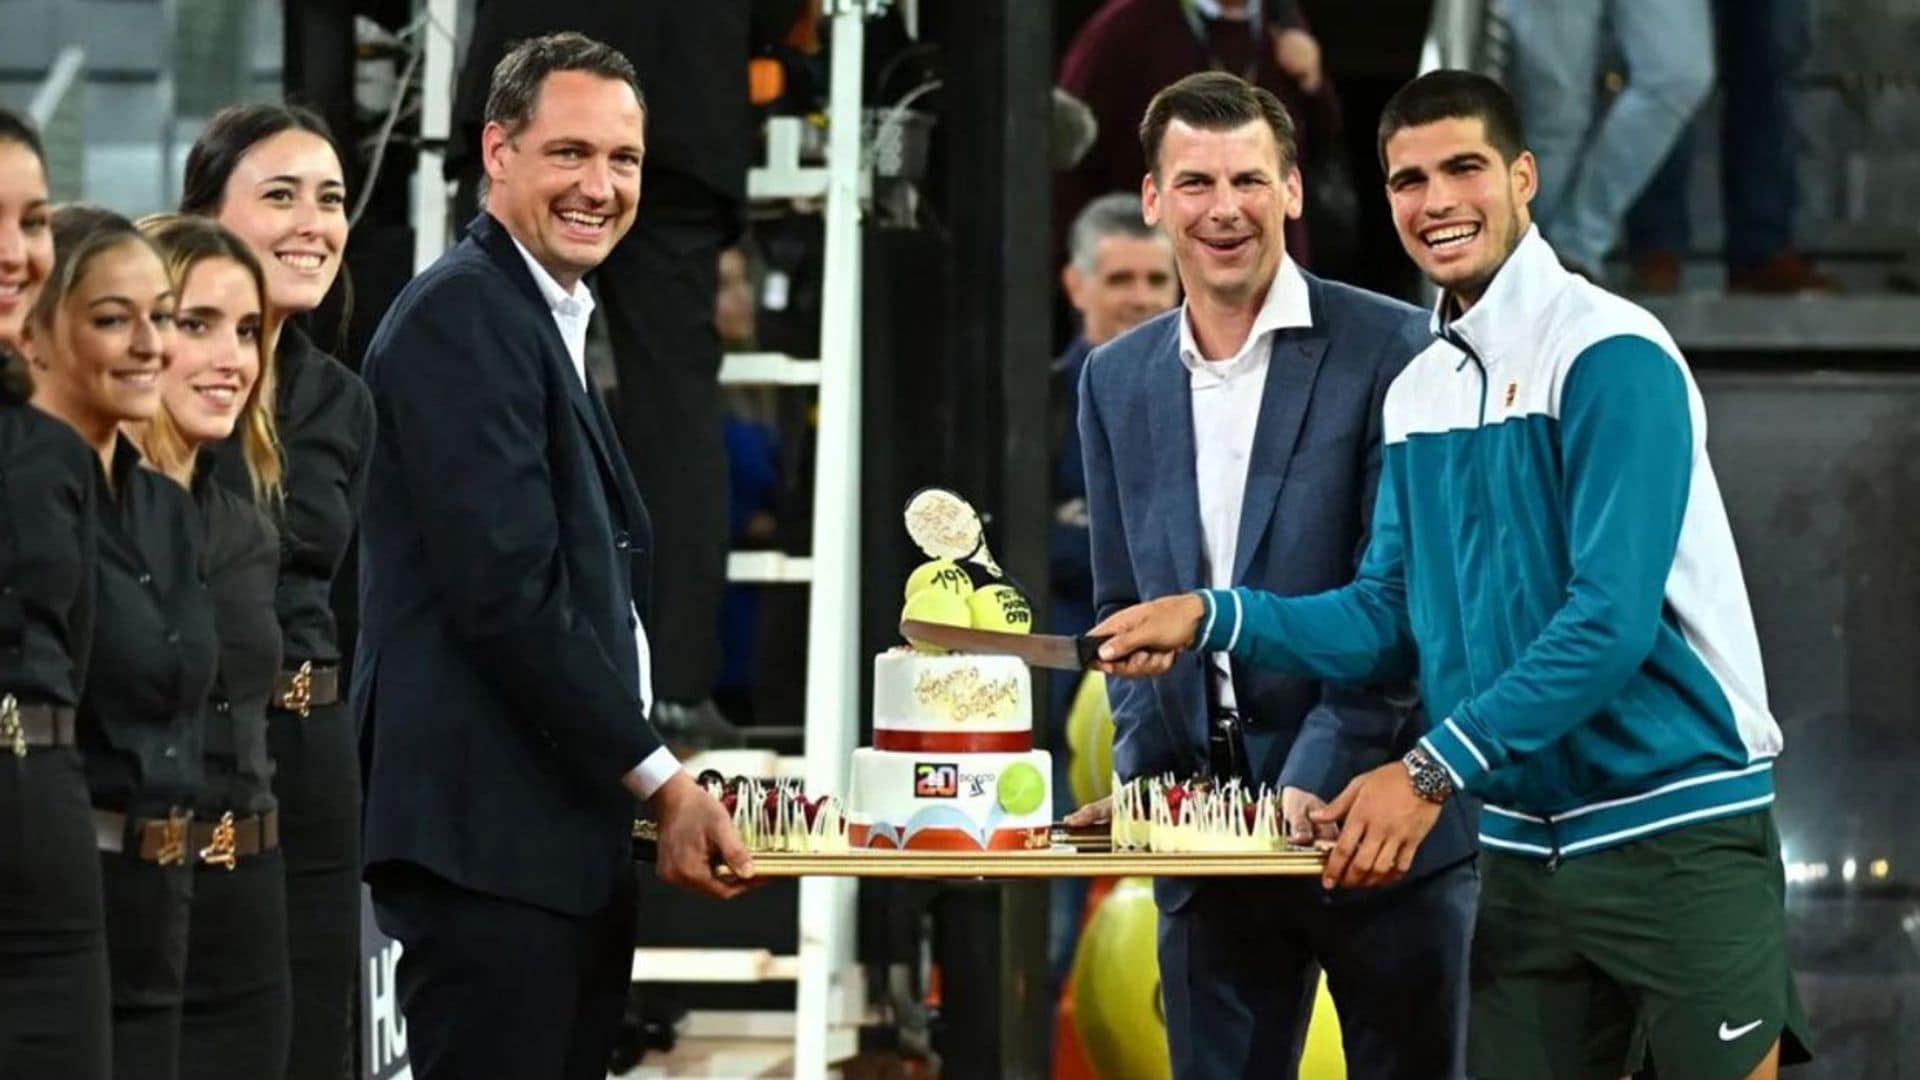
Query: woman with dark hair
pixel 98 338
pixel 271 174
pixel 218 387
pixel 26 238
pixel 53 943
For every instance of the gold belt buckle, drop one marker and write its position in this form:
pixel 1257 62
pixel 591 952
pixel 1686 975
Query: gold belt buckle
pixel 299 694
pixel 10 726
pixel 221 851
pixel 173 839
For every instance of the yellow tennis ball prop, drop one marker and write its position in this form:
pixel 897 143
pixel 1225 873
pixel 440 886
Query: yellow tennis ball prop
pixel 1116 995
pixel 1090 740
pixel 1116 986
pixel 940 574
pixel 1001 608
pixel 936 605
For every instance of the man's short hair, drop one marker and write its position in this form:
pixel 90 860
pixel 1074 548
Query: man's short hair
pixel 1117 214
pixel 515 90
pixel 1454 95
pixel 1215 101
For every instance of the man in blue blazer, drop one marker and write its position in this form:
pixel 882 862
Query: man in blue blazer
pixel 1236 441
pixel 501 684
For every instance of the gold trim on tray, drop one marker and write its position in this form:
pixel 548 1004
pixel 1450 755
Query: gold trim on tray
pixel 1075 858
pixel 1057 862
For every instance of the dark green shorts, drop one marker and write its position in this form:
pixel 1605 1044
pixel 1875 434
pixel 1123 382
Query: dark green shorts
pixel 1674 945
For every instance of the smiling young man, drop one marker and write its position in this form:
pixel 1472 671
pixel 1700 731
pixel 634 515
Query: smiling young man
pixel 1235 441
pixel 502 679
pixel 1551 543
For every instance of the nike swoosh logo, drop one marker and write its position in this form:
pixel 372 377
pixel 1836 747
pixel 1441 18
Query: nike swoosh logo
pixel 1728 1034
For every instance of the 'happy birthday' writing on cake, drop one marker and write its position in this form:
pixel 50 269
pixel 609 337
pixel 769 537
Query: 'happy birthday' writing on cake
pixel 964 694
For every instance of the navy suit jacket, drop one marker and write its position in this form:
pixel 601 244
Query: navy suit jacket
pixel 503 551
pixel 1303 525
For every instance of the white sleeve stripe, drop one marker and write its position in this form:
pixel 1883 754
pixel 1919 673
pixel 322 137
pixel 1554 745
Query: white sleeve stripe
pixel 1468 743
pixel 1206 632
pixel 1427 744
pixel 1237 613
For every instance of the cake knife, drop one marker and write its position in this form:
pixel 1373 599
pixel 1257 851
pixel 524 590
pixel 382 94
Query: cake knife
pixel 1061 651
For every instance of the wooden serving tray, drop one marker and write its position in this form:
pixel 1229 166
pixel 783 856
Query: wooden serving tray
pixel 1075 854
pixel 1051 863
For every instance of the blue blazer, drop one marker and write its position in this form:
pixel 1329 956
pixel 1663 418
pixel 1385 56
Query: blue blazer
pixel 503 551
pixel 1303 525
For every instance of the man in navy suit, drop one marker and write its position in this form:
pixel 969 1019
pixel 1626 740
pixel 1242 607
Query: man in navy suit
pixel 1236 441
pixel 502 679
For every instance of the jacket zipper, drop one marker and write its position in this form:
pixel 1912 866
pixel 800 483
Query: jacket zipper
pixel 1486 496
pixel 1486 504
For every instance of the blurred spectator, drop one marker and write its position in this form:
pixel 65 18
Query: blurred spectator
pixel 1132 48
pixel 1590 172
pixel 1761 47
pixel 1119 274
pixel 753 474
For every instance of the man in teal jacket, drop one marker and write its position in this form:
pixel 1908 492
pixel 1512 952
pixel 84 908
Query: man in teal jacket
pixel 1551 556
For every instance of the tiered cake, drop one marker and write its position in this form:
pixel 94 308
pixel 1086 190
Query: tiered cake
pixel 952 765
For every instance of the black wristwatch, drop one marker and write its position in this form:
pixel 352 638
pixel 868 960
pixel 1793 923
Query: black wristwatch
pixel 1430 779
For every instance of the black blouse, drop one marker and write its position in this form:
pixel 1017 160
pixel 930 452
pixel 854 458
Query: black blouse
pixel 154 648
pixel 49 482
pixel 325 416
pixel 243 565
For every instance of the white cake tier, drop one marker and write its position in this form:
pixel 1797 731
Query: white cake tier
pixel 959 703
pixel 950 802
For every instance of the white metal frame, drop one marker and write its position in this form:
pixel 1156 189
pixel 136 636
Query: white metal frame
pixel 431 230
pixel 828 994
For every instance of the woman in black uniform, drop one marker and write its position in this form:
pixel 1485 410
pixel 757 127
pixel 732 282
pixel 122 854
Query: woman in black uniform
pixel 53 947
pixel 216 387
pixel 97 340
pixel 271 175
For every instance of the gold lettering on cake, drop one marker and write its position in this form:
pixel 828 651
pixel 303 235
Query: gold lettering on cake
pixel 964 694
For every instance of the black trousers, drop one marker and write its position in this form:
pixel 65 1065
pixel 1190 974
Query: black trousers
pixel 494 987
pixel 238 1009
pixel 147 908
pixel 1239 963
pixel 656 291
pixel 54 1018
pixel 317 781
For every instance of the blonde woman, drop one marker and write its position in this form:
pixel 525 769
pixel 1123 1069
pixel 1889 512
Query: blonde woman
pixel 272 175
pixel 98 339
pixel 218 388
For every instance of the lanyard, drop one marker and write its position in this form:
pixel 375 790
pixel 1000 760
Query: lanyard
pixel 1256 23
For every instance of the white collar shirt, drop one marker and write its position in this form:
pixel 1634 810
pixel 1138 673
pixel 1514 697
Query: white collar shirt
pixel 1226 396
pixel 572 310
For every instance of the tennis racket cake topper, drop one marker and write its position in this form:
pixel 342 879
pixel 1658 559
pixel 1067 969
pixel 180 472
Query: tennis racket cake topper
pixel 945 525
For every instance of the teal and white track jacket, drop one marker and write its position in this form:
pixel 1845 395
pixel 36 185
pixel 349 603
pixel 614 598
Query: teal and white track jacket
pixel 1550 548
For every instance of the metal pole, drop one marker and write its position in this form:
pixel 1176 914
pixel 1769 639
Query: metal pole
pixel 430 194
pixel 833 689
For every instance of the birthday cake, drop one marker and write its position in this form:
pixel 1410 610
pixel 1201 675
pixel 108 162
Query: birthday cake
pixel 952 765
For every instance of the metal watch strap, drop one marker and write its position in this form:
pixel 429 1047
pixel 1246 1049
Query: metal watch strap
pixel 1430 779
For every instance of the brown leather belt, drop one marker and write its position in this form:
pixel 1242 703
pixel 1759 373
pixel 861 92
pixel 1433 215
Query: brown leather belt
pixel 154 840
pixel 22 726
pixel 307 686
pixel 169 841
pixel 222 842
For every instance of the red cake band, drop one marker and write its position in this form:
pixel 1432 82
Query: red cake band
pixel 953 742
